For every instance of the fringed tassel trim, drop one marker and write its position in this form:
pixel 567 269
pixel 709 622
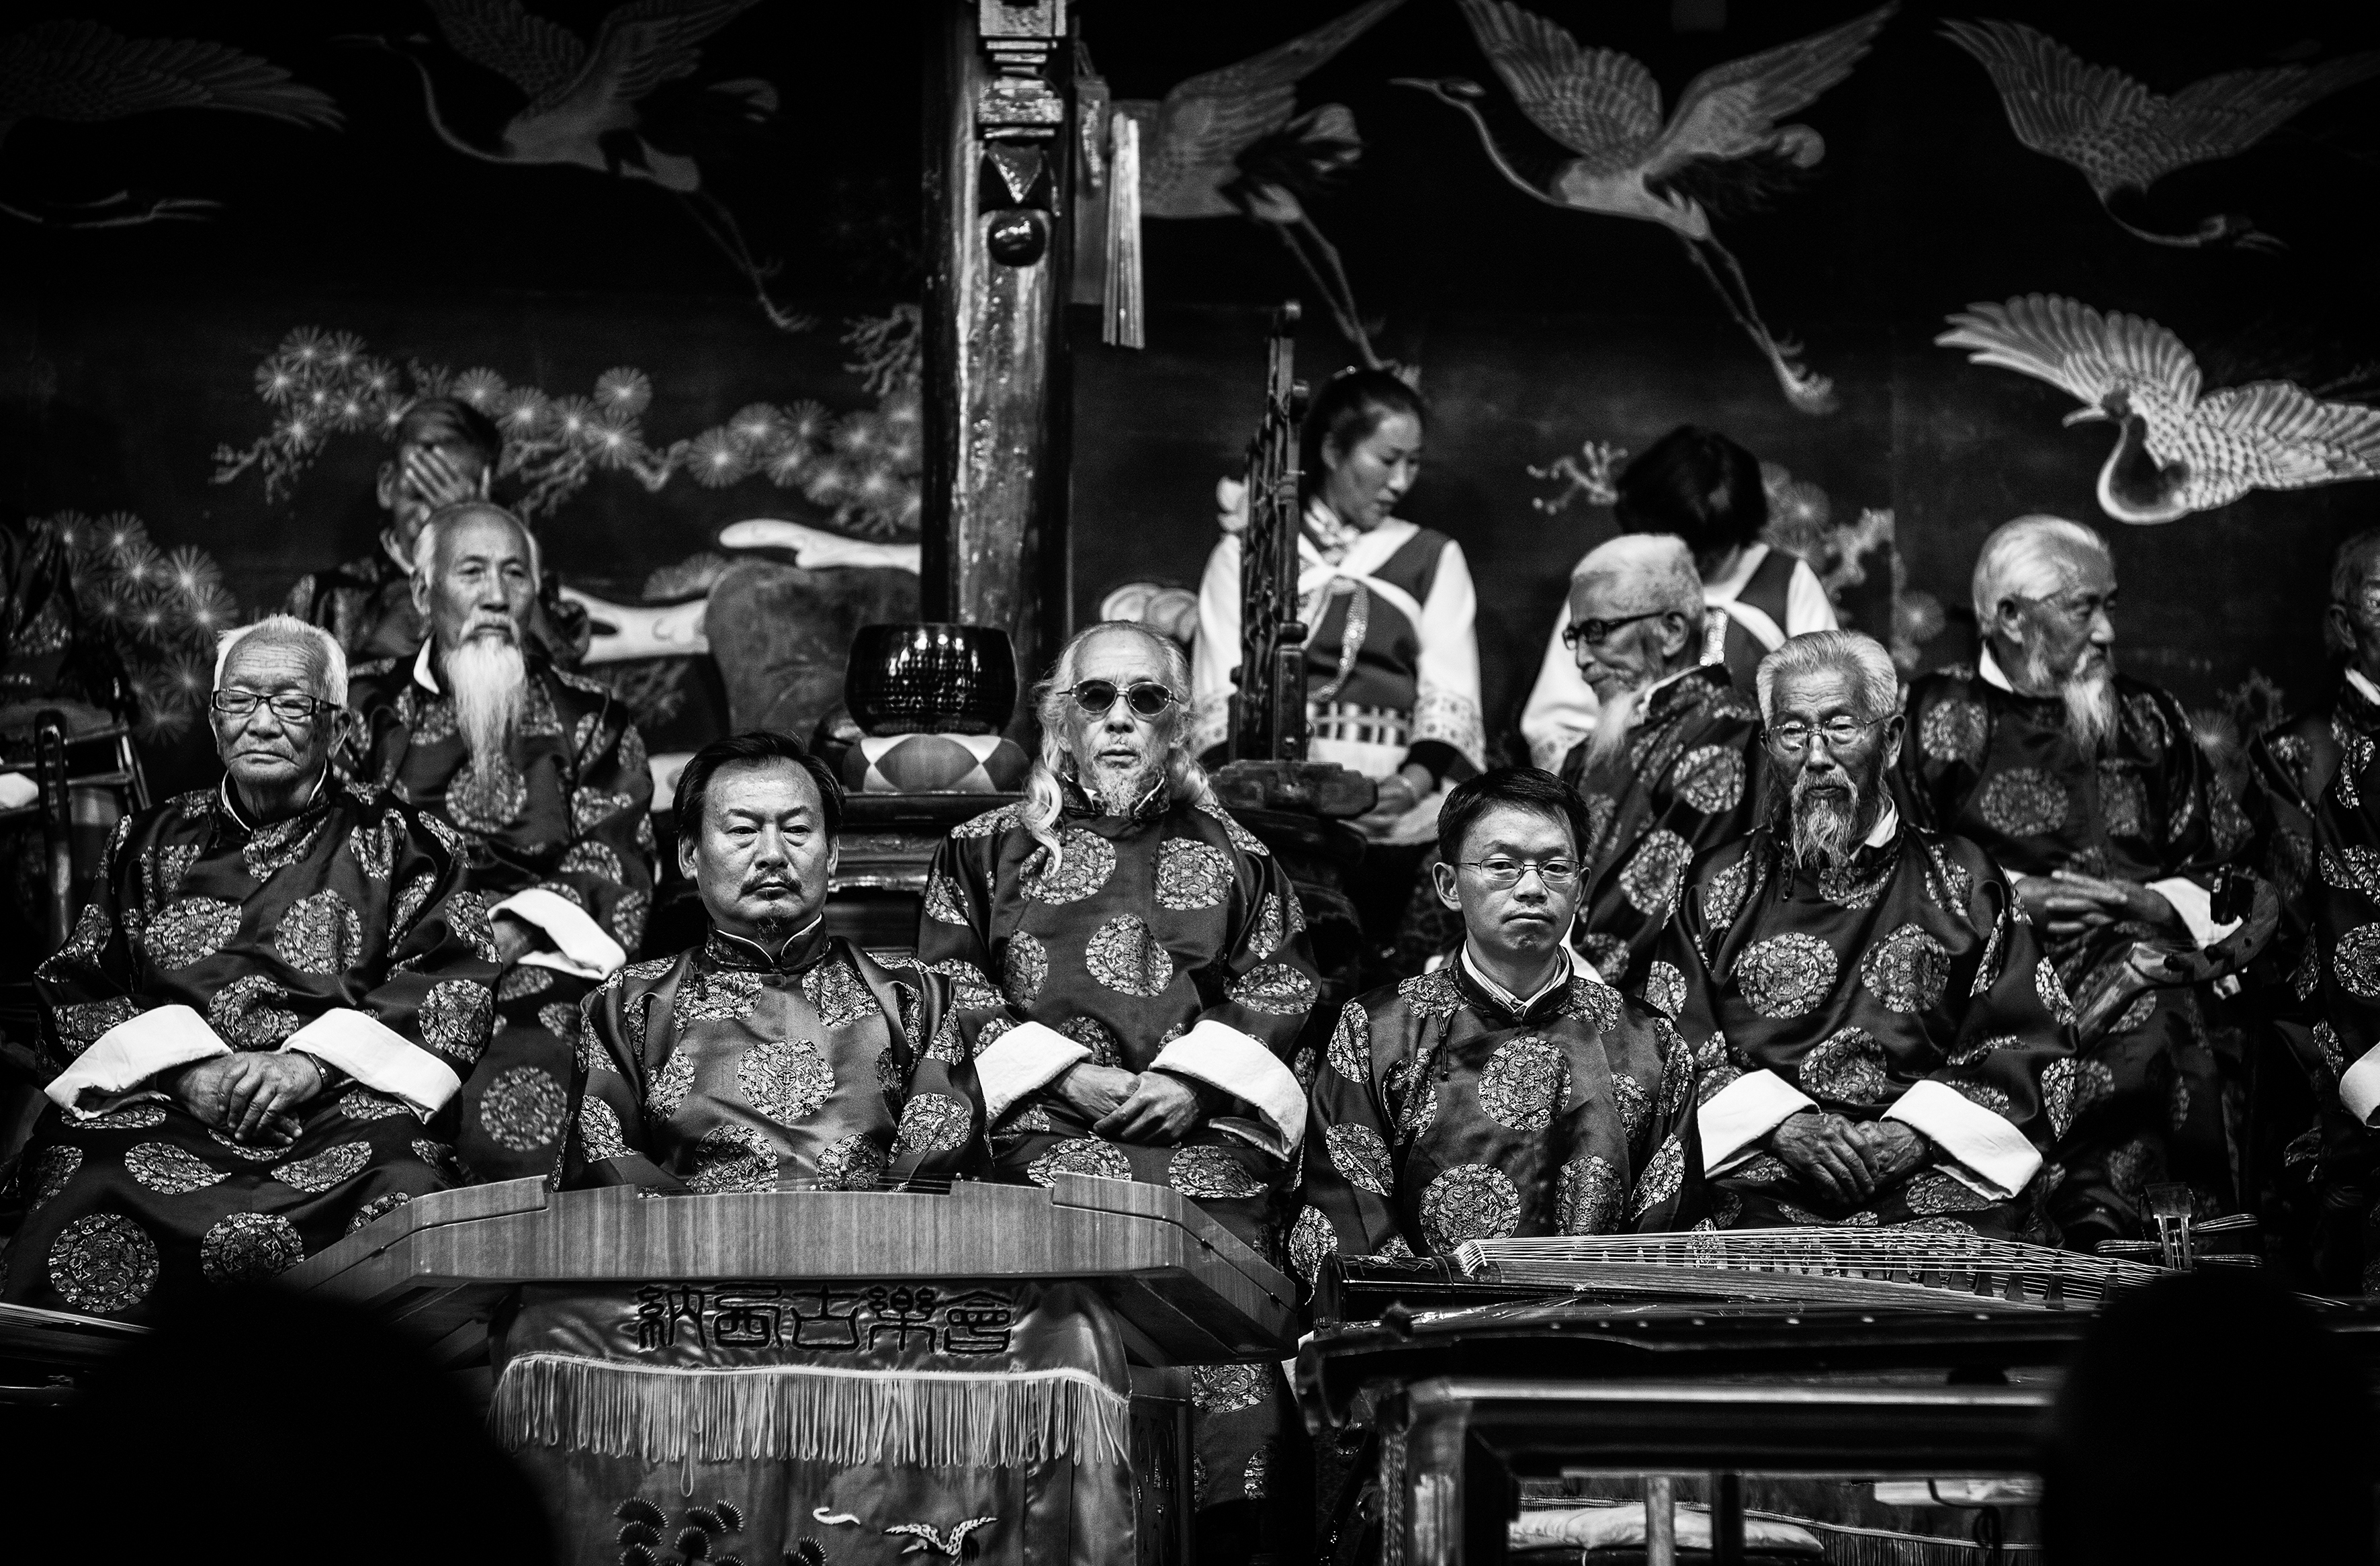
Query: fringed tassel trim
pixel 817 1414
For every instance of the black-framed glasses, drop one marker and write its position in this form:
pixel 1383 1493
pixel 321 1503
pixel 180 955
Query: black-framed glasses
pixel 1500 872
pixel 1146 697
pixel 1794 739
pixel 1594 633
pixel 288 709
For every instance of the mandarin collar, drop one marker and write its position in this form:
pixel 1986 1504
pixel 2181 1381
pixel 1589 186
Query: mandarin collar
pixel 425 663
pixel 1150 806
pixel 227 806
pixel 724 950
pixel 2362 686
pixel 1483 990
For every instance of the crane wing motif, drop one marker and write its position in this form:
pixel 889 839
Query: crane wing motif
pixel 1734 109
pixel 2276 436
pixel 81 72
pixel 2119 134
pixel 532 53
pixel 1205 122
pixel 2088 355
pixel 1600 103
pixel 646 43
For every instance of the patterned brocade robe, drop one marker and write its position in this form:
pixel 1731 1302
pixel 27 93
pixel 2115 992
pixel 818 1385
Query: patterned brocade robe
pixel 1447 1110
pixel 1908 986
pixel 1168 940
pixel 1687 781
pixel 560 836
pixel 723 1069
pixel 2153 1101
pixel 2319 776
pixel 338 934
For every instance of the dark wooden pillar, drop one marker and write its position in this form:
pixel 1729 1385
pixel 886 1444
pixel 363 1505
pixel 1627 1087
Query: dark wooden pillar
pixel 999 144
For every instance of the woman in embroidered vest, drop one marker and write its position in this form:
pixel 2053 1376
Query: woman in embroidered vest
pixel 1392 662
pixel 1706 488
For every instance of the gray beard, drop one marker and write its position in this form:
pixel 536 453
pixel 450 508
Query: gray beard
pixel 1119 793
pixel 1609 738
pixel 489 682
pixel 1829 826
pixel 2090 711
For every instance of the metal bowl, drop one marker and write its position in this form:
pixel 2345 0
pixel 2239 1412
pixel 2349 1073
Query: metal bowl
pixel 930 678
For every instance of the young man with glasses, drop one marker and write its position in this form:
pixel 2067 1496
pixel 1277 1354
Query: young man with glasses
pixel 1879 1038
pixel 1152 961
pixel 2088 787
pixel 261 1018
pixel 1671 768
pixel 1502 1094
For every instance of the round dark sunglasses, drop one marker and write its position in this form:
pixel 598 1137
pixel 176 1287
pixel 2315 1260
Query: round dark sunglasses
pixel 1146 697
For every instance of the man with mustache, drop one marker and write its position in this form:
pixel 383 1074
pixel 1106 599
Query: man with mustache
pixel 1153 963
pixel 446 452
pixel 1672 766
pixel 1501 1094
pixel 2319 778
pixel 775 1057
pixel 1878 1036
pixel 2089 788
pixel 261 1018
pixel 543 777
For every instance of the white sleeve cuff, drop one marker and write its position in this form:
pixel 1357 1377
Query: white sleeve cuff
pixel 584 949
pixel 2196 906
pixel 2359 1088
pixel 379 1057
pixel 128 1054
pixel 1983 1145
pixel 1740 1114
pixel 1225 1058
pixel 1023 1060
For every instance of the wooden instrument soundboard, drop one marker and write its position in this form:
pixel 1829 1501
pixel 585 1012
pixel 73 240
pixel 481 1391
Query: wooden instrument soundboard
pixel 1187 1290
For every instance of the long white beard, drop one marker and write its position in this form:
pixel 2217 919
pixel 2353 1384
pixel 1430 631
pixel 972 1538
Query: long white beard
pixel 1827 824
pixel 490 680
pixel 1611 725
pixel 2091 711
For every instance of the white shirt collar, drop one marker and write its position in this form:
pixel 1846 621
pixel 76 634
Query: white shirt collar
pixel 423 675
pixel 1988 669
pixel 1504 997
pixel 1886 825
pixel 1644 696
pixel 2371 693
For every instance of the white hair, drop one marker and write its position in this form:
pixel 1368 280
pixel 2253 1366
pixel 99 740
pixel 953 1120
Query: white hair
pixel 1871 668
pixel 425 543
pixel 1658 571
pixel 287 630
pixel 2013 563
pixel 1045 794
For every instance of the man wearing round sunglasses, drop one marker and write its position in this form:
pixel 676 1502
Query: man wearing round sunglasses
pixel 273 989
pixel 2088 787
pixel 1501 1094
pixel 1154 964
pixel 1879 1038
pixel 1671 768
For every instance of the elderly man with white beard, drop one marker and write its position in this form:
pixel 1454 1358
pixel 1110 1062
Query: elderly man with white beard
pixel 2087 786
pixel 1153 964
pixel 1878 1036
pixel 1670 769
pixel 544 780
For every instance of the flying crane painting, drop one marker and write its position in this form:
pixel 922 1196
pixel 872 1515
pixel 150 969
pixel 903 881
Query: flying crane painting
pixel 2177 450
pixel 1726 147
pixel 594 107
pixel 2123 138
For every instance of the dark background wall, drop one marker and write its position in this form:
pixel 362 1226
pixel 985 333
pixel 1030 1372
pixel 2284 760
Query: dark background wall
pixel 129 353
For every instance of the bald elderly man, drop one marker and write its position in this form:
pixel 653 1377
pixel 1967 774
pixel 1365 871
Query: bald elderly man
pixel 1670 769
pixel 2086 786
pixel 544 779
pixel 273 992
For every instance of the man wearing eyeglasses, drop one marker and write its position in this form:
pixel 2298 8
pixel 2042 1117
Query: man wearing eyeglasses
pixel 1154 965
pixel 1670 769
pixel 1879 1036
pixel 2319 774
pixel 2088 787
pixel 1501 1094
pixel 273 991
pixel 544 778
